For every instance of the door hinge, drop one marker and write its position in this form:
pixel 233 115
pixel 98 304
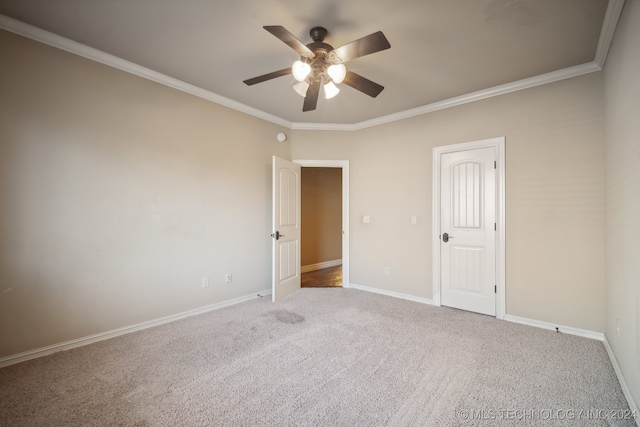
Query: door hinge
pixel 495 164
pixel 495 289
pixel 495 226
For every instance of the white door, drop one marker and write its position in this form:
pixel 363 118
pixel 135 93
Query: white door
pixel 286 228
pixel 467 230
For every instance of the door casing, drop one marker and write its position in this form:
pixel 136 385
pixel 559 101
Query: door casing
pixel 499 145
pixel 344 165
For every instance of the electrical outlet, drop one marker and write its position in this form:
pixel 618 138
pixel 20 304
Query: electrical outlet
pixel 228 278
pixel 387 271
pixel 205 282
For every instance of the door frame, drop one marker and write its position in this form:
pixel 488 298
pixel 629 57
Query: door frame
pixel 499 145
pixel 344 165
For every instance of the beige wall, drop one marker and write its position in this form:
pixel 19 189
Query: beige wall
pixel 118 195
pixel 622 125
pixel 554 196
pixel 321 212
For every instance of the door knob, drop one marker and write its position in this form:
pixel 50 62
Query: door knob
pixel 446 237
pixel 277 235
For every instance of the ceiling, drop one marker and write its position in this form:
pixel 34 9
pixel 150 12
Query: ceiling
pixel 440 49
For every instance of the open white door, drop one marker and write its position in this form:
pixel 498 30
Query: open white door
pixel 468 230
pixel 286 228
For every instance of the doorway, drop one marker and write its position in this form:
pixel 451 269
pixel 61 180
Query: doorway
pixel 468 226
pixel 321 227
pixel 325 232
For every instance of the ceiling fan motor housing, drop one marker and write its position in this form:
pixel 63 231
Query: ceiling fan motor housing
pixel 321 59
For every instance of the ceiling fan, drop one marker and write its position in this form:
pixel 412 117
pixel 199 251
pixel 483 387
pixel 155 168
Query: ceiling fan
pixel 322 65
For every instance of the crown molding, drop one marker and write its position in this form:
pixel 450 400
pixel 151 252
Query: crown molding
pixel 542 79
pixel 323 126
pixel 612 15
pixel 554 76
pixel 63 43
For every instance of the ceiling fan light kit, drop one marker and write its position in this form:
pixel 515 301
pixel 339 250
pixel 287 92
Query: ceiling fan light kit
pixel 325 69
pixel 330 90
pixel 337 72
pixel 301 88
pixel 300 70
pixel 321 64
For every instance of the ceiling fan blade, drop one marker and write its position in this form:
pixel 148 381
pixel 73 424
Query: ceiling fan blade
pixel 311 100
pixel 362 84
pixel 370 44
pixel 269 76
pixel 289 39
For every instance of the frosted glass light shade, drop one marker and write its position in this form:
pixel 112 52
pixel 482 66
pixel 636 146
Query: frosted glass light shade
pixel 301 88
pixel 330 90
pixel 337 72
pixel 300 70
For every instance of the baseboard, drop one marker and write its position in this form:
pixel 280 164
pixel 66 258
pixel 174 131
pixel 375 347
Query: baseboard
pixel 633 406
pixel 538 324
pixel 554 327
pixel 320 265
pixel 391 293
pixel 509 318
pixel 67 345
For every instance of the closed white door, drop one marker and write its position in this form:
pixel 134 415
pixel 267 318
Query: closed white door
pixel 467 230
pixel 286 228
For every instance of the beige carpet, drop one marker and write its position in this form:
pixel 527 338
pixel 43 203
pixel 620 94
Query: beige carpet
pixel 322 357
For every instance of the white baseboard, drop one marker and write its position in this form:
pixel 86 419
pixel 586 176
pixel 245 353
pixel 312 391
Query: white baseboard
pixel 633 406
pixel 391 293
pixel 67 345
pixel 320 265
pixel 554 327
pixel 510 318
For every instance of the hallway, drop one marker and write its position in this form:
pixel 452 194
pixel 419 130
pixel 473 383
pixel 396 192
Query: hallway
pixel 324 278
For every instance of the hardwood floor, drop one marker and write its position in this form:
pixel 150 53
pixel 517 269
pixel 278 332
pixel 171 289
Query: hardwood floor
pixel 324 278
